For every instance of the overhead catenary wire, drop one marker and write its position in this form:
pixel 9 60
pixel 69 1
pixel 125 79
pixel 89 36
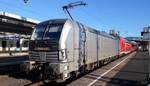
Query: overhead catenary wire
pixel 35 12
pixel 96 18
pixel 72 5
pixel 101 24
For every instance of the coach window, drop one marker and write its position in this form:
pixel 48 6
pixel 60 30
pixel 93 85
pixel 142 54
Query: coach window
pixel 18 44
pixel 25 43
pixel 3 44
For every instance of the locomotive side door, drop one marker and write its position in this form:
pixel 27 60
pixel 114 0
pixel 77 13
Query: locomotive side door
pixel 82 40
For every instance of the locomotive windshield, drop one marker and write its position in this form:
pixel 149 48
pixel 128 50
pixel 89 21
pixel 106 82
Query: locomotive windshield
pixel 49 31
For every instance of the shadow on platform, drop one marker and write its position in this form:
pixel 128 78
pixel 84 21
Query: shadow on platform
pixel 133 73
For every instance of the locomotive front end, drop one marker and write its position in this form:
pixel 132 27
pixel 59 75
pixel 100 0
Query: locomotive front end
pixel 46 51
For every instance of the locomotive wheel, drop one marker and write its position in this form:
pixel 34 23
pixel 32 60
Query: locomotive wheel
pixel 42 77
pixel 73 74
pixel 82 70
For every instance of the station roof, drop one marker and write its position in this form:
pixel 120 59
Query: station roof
pixel 2 13
pixel 16 24
pixel 137 39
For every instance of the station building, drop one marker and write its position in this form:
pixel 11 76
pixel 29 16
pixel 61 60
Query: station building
pixel 146 37
pixel 15 32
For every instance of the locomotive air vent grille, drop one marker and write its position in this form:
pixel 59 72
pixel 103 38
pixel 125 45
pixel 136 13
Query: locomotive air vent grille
pixel 51 56
pixel 44 56
pixel 34 56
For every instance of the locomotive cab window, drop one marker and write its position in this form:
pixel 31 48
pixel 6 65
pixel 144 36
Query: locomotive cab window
pixel 49 31
pixel 46 36
pixel 53 31
pixel 38 32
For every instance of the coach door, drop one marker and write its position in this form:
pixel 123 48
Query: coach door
pixel 82 40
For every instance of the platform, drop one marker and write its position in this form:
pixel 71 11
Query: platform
pixel 131 71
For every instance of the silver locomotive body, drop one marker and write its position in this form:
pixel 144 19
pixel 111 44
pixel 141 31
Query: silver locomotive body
pixel 61 48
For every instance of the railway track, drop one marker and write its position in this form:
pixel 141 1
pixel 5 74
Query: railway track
pixel 53 83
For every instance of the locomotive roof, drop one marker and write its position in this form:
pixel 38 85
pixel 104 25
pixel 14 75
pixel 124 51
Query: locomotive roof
pixel 54 21
pixel 90 29
pixel 102 33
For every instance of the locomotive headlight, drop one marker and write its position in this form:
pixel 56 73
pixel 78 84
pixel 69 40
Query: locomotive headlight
pixel 62 55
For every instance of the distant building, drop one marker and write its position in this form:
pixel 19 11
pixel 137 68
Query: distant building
pixel 146 37
pixel 146 33
pixel 143 41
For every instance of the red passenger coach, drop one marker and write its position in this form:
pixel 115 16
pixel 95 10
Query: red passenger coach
pixel 121 45
pixel 128 47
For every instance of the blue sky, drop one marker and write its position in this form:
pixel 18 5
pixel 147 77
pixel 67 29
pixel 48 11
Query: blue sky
pixel 127 16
